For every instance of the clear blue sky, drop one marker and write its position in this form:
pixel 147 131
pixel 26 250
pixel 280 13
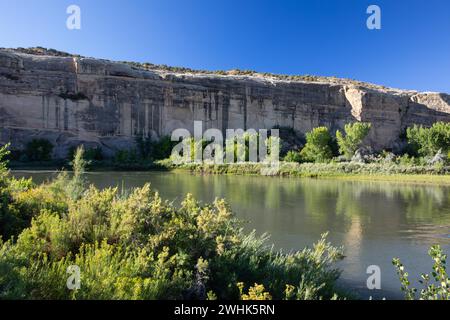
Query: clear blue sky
pixel 319 37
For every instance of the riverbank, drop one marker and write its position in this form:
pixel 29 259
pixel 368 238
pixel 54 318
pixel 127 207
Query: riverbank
pixel 391 172
pixel 345 170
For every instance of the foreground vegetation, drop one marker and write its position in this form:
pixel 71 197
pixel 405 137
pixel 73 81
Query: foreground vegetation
pixel 138 246
pixel 435 287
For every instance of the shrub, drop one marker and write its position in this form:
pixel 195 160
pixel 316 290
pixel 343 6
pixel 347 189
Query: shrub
pixel 317 148
pixel 293 156
pixel 4 152
pixel 76 185
pixel 39 150
pixel 149 149
pixel 25 204
pixel 241 151
pixel 271 142
pixel 90 154
pixel 406 160
pixel 22 201
pixel 436 287
pixel 428 141
pixel 354 136
pixel 257 292
pixel 194 147
pixel 162 148
pixel 144 147
pixel 124 157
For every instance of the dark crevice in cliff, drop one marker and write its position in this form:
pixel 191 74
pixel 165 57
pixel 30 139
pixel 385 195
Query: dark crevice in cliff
pixel 9 76
pixel 73 96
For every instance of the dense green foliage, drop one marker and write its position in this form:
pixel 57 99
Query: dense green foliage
pixel 147 150
pixel 293 156
pixel 4 152
pixel 321 147
pixel 317 148
pixel 124 158
pixel 90 154
pixel 39 150
pixel 154 149
pixel 426 147
pixel 162 148
pixel 428 141
pixel 138 246
pixel 436 286
pixel 354 136
pixel 236 149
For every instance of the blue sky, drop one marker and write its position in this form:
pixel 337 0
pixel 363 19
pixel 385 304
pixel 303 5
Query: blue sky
pixel 319 37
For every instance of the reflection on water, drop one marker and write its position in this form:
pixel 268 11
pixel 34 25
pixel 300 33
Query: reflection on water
pixel 374 221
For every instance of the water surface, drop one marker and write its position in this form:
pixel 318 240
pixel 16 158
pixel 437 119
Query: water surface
pixel 374 221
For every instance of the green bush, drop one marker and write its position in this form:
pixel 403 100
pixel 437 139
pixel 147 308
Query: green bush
pixel 144 147
pixel 436 287
pixel 241 152
pixel 162 148
pixel 317 147
pixel 75 187
pixel 353 138
pixel 293 156
pixel 428 141
pixel 39 150
pixel 4 152
pixel 124 157
pixel 270 142
pixel 90 154
pixel 149 149
pixel 190 149
pixel 406 160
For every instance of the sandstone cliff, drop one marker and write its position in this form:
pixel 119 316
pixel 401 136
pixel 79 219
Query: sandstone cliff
pixel 71 100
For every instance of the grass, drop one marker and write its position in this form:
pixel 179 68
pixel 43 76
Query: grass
pixel 401 178
pixel 346 171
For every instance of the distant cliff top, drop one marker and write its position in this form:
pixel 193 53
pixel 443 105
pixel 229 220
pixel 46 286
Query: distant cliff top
pixel 40 51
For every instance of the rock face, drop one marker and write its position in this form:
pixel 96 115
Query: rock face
pixel 71 100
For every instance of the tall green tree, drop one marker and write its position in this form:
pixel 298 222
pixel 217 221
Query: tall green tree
pixel 317 147
pixel 4 152
pixel 77 184
pixel 428 141
pixel 353 138
pixel 39 150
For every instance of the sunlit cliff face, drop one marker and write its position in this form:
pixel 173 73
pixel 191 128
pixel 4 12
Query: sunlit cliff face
pixel 70 99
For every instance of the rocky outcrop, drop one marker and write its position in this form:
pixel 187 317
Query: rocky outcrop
pixel 71 100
